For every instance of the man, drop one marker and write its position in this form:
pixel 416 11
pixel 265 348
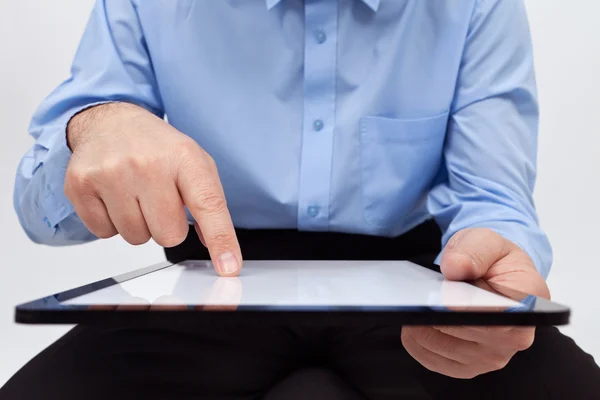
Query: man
pixel 331 122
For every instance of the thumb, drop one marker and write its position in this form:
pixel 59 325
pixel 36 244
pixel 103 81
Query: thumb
pixel 471 252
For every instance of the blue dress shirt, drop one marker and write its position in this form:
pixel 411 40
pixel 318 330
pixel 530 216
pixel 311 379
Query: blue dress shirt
pixel 362 116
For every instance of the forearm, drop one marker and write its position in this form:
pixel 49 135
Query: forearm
pixel 491 146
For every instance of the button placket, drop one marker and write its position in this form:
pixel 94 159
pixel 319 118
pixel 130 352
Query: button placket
pixel 320 57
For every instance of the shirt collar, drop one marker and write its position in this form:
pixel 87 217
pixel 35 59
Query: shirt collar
pixel 373 4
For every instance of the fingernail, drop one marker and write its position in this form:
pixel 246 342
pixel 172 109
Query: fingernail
pixel 228 264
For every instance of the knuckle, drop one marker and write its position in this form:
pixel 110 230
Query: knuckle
pixel 501 363
pixel 496 362
pixel 144 165
pixel 212 164
pixel 188 154
pixel 139 165
pixel 524 344
pixel 102 230
pixel 212 202
pixel 220 238
pixel 186 150
pixel 134 230
pixel 112 166
pixel 79 181
pixel 170 239
pixel 523 340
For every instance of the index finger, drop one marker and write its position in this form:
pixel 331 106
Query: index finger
pixel 201 190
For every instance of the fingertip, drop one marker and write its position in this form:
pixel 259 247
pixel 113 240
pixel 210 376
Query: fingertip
pixel 539 287
pixel 546 293
pixel 226 275
pixel 228 265
pixel 170 241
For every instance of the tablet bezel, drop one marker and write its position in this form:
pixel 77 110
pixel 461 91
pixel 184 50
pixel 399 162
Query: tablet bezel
pixel 48 310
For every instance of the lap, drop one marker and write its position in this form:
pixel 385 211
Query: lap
pixel 160 362
pixel 314 383
pixel 282 362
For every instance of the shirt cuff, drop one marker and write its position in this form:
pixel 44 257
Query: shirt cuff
pixel 534 243
pixel 55 204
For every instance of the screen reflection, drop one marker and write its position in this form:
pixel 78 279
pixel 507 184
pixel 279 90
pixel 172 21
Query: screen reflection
pixel 193 285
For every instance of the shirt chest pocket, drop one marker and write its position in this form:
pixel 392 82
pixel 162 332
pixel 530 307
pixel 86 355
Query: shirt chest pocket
pixel 399 160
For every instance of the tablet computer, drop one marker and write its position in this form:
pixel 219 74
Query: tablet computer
pixel 288 292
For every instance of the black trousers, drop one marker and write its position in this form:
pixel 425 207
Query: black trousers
pixel 289 362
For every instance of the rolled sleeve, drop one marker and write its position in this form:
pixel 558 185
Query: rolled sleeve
pixel 111 64
pixel 491 145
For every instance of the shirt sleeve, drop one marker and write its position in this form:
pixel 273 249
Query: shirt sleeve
pixel 491 145
pixel 112 63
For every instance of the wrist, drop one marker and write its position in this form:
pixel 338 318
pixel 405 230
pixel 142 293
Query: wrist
pixel 87 121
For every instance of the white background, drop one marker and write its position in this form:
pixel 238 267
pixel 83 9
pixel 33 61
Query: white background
pixel 37 43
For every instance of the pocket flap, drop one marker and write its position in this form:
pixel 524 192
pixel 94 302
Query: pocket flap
pixel 383 129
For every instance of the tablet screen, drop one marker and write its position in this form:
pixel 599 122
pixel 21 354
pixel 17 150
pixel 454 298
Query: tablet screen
pixel 298 284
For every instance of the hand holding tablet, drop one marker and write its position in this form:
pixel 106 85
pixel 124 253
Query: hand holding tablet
pixel 447 323
pixel 465 352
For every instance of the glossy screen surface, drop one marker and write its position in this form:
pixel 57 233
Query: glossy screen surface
pixel 297 284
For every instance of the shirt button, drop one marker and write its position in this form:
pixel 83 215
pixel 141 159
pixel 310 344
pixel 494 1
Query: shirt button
pixel 318 125
pixel 320 36
pixel 313 211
